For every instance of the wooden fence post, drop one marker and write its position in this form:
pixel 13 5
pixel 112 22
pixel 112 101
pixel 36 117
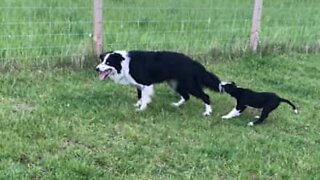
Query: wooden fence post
pixel 255 28
pixel 98 26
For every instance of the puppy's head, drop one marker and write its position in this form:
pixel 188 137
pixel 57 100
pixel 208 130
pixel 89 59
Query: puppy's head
pixel 110 64
pixel 228 87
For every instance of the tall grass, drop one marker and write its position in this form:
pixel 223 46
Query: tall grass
pixel 51 30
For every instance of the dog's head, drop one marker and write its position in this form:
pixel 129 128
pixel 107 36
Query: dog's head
pixel 110 64
pixel 228 87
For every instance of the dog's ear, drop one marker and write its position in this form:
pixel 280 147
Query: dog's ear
pixel 102 56
pixel 233 83
pixel 118 56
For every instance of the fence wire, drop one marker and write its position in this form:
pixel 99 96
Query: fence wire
pixel 63 29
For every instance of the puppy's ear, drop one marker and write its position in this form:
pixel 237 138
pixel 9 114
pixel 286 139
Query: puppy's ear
pixel 233 83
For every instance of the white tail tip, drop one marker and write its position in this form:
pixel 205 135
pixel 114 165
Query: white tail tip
pixel 296 111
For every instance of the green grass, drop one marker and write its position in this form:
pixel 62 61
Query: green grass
pixel 65 124
pixel 57 121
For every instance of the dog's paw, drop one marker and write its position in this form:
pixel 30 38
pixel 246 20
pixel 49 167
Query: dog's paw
pixel 139 110
pixel 175 104
pixel 207 113
pixel 137 104
pixel 225 117
pixel 250 124
pixel 257 117
pixel 142 107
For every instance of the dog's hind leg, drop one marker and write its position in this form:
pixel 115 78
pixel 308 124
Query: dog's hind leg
pixel 198 92
pixel 180 102
pixel 265 113
pixel 184 95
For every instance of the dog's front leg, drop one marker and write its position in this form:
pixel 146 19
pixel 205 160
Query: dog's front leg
pixel 146 93
pixel 138 103
pixel 233 113
pixel 236 111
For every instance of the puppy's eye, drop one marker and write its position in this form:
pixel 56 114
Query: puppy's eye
pixel 107 63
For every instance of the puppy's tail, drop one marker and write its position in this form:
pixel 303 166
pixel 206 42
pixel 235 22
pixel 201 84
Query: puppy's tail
pixel 291 104
pixel 211 81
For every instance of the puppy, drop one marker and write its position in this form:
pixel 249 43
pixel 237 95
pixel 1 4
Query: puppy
pixel 268 101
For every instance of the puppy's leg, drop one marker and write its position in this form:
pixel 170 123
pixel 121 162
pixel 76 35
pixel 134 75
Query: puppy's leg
pixel 146 93
pixel 138 103
pixel 265 113
pixel 236 111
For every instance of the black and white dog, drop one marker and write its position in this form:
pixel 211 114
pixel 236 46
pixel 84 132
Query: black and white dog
pixel 142 69
pixel 268 101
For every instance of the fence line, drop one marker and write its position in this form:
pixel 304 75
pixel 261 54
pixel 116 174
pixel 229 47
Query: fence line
pixel 30 31
pixel 222 8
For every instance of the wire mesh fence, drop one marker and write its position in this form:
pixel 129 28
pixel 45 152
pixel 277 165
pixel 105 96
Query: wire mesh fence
pixel 41 31
pixel 38 31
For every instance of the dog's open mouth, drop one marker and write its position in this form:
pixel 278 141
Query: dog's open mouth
pixel 104 74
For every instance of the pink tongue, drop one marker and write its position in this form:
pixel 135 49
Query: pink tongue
pixel 102 75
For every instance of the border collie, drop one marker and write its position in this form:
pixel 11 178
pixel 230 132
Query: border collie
pixel 143 69
pixel 268 101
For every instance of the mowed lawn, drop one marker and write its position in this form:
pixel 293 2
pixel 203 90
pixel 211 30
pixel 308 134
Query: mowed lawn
pixel 65 124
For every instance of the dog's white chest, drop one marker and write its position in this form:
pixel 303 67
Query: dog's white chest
pixel 124 77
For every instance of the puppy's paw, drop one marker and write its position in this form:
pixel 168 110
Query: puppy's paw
pixel 250 124
pixel 257 117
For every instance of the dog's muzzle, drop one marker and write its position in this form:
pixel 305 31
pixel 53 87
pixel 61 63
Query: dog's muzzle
pixel 104 74
pixel 104 71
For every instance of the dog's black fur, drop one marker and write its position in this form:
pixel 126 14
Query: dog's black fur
pixel 268 101
pixel 155 67
pixel 150 67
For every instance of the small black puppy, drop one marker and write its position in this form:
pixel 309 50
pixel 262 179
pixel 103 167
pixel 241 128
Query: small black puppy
pixel 268 101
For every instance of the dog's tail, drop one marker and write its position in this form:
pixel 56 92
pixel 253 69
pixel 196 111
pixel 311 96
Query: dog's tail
pixel 211 81
pixel 291 104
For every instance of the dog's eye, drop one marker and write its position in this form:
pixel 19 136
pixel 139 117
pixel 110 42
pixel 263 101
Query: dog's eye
pixel 107 63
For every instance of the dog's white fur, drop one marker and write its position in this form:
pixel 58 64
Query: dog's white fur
pixel 233 113
pixel 125 78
